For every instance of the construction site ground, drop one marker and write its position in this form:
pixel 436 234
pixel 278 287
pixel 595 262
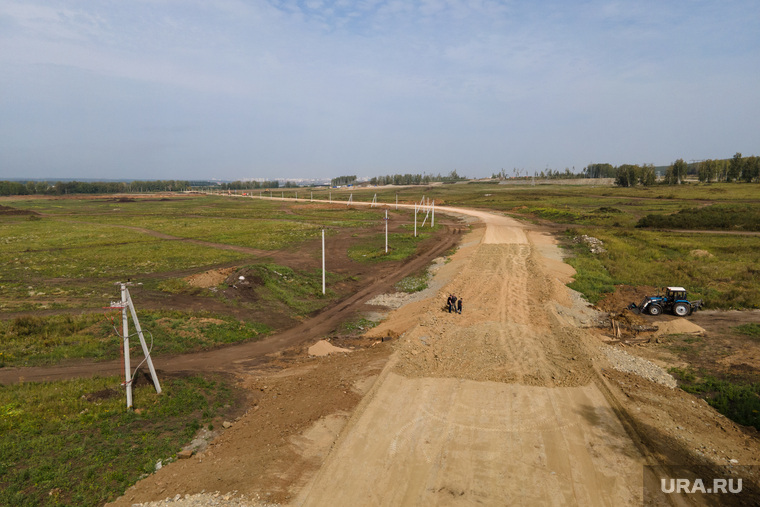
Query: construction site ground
pixel 517 401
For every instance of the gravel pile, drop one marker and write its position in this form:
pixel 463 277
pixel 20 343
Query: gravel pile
pixel 594 244
pixel 207 499
pixel 625 362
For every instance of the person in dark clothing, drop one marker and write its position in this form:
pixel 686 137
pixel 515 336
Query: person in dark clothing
pixel 449 302
pixel 459 305
pixel 453 303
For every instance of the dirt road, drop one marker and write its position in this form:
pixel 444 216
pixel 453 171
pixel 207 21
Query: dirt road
pixel 494 406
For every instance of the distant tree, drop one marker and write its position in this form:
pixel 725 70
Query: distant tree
pixel 627 175
pixel 751 169
pixel 647 176
pixel 676 172
pixel 707 171
pixel 599 171
pixel 680 168
pixel 735 167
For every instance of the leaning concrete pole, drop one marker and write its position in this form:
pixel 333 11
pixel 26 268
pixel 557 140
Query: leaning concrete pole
pixel 323 261
pixel 125 339
pixel 432 219
pixel 146 352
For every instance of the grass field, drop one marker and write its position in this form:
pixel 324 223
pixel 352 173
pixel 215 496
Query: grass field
pixel 70 251
pixel 73 443
pixel 38 341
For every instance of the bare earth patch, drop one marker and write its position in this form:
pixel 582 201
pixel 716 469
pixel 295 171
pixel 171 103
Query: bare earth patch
pixel 210 278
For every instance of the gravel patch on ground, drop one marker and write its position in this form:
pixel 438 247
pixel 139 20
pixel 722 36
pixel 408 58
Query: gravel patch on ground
pixel 395 300
pixel 627 363
pixel 208 499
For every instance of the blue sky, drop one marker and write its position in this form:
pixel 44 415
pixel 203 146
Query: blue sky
pixel 228 89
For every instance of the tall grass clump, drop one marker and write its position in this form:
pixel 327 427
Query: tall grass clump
pixel 728 217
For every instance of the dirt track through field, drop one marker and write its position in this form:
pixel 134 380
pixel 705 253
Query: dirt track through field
pixel 499 406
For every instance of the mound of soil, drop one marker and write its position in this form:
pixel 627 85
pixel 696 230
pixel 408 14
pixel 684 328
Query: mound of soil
pixel 678 326
pixel 210 278
pixel 242 284
pixel 323 348
pixel 9 210
pixel 623 296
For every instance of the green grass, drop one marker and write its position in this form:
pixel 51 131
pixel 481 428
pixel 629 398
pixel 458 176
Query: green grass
pixel 752 330
pixel 413 283
pixel 400 246
pixel 74 443
pixel 717 217
pixel 47 261
pixel 70 255
pixel 592 278
pixel 726 278
pixel 38 341
pixel 739 402
pixel 299 291
pixel 112 255
pixel 358 324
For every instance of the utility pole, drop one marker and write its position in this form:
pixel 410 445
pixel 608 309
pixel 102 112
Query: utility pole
pixel 126 302
pixel 125 340
pixel 323 261
pixel 386 231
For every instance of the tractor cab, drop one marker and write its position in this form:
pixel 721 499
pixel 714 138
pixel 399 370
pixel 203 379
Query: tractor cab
pixel 675 294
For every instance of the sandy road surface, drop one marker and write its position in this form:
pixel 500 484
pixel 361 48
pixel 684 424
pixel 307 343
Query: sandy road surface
pixel 497 406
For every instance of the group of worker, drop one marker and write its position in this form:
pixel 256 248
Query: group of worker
pixel 454 304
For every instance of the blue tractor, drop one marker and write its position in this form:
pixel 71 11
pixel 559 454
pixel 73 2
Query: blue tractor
pixel 673 301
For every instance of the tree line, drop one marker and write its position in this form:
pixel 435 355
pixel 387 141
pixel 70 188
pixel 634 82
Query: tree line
pixel 415 179
pixel 247 185
pixel 89 187
pixel 736 169
pixel 342 180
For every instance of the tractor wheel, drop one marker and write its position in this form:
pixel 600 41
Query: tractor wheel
pixel 681 309
pixel 655 309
